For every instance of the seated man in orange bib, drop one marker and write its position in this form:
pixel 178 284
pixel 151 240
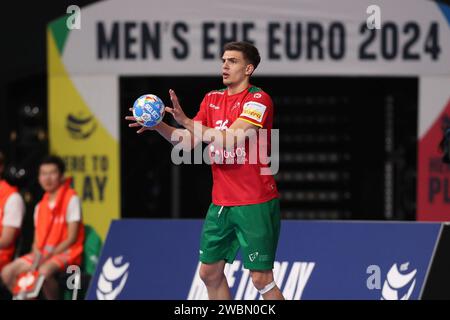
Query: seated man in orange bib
pixel 12 211
pixel 59 230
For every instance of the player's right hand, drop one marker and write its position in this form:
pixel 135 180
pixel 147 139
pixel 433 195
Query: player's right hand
pixel 137 124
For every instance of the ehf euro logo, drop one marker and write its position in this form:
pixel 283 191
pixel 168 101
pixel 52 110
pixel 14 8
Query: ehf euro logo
pixel 399 283
pixel 80 126
pixel 112 279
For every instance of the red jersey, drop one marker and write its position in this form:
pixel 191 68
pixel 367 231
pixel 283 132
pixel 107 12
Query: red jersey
pixel 239 183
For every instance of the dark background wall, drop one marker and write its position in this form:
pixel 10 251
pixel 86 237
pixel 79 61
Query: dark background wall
pixel 23 49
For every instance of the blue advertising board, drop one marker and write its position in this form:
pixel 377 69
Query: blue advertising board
pixel 158 259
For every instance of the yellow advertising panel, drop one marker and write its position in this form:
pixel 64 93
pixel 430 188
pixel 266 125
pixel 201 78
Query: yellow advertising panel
pixel 90 152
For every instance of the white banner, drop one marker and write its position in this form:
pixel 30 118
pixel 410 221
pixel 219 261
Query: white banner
pixel 307 37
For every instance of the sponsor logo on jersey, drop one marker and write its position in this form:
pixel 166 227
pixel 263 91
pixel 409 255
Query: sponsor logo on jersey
pixel 215 92
pixel 221 156
pixel 253 256
pixel 214 106
pixel 221 125
pixel 254 110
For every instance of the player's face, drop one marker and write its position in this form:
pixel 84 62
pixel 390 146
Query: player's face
pixel 234 67
pixel 49 177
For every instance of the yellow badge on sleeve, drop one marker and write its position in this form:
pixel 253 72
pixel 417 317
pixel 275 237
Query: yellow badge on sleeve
pixel 254 110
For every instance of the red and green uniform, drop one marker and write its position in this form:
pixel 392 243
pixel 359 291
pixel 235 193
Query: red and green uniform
pixel 245 209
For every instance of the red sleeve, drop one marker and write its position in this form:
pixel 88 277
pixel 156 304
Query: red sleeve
pixel 256 109
pixel 201 114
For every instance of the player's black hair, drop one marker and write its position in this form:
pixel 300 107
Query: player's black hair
pixel 250 52
pixel 57 161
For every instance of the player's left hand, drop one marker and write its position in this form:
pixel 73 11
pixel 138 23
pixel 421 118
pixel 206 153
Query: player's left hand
pixel 176 111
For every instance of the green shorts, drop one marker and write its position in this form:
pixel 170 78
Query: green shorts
pixel 254 228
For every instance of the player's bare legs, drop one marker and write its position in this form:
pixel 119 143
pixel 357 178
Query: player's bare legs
pixel 213 277
pixel 12 270
pixel 50 287
pixel 261 279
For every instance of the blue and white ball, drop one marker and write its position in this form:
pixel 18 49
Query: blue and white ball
pixel 148 110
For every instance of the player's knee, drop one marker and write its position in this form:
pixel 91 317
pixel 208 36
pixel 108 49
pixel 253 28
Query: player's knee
pixel 261 279
pixel 45 271
pixel 7 273
pixel 210 274
pixel 4 275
